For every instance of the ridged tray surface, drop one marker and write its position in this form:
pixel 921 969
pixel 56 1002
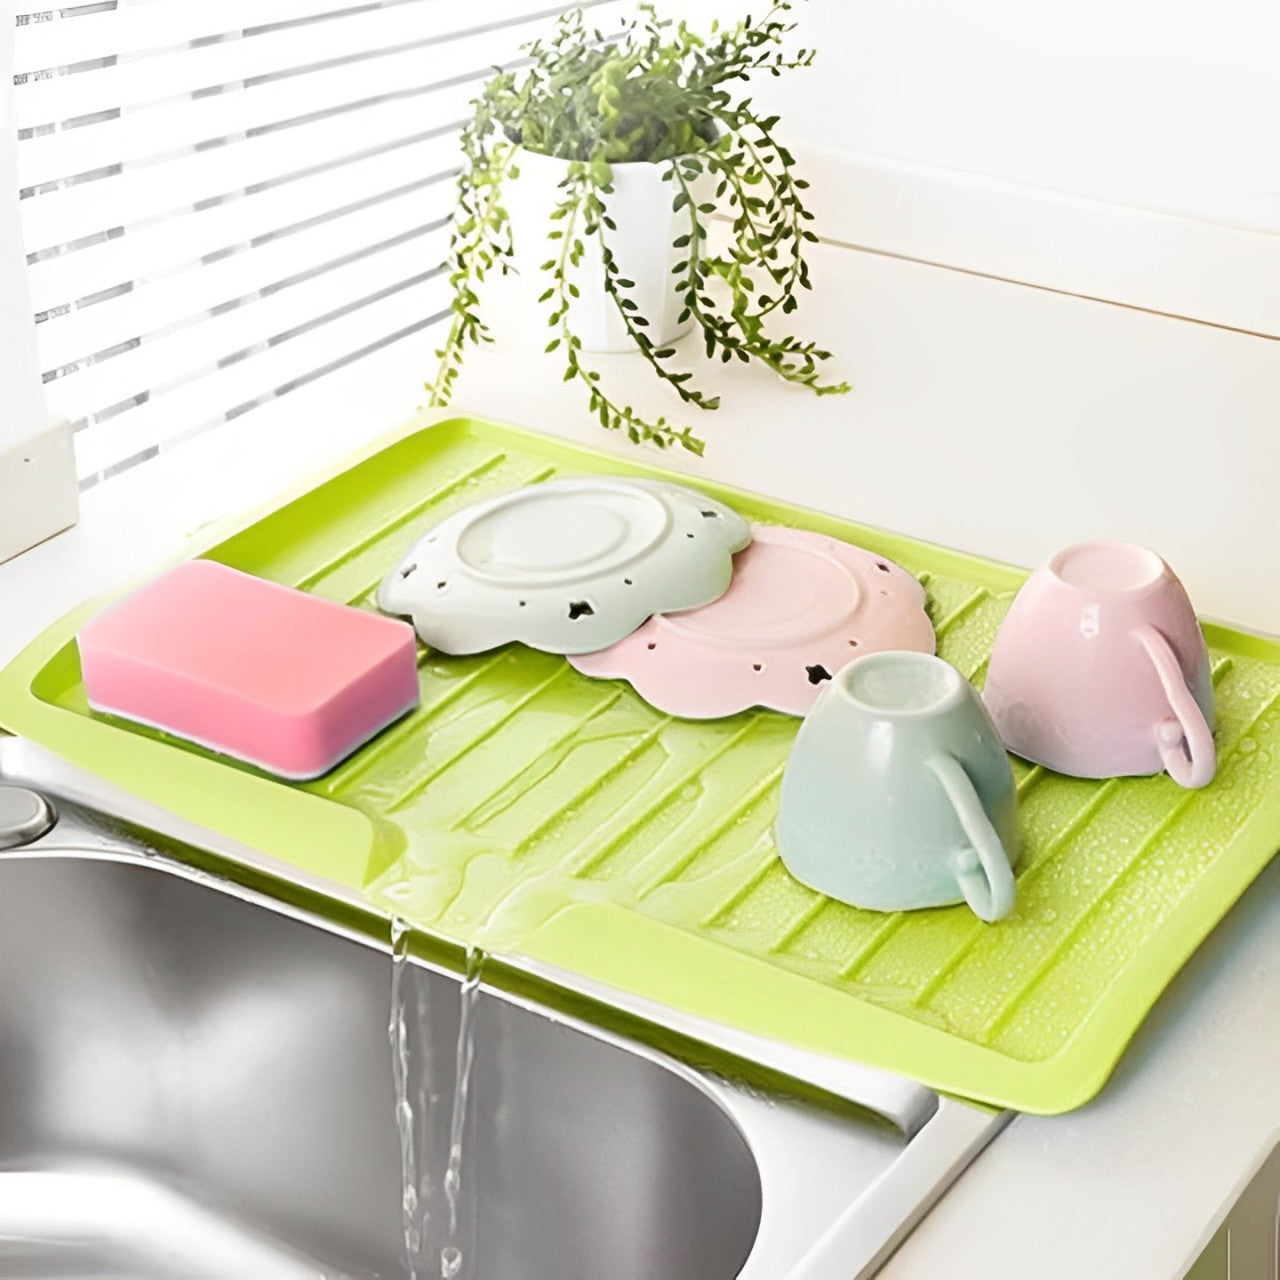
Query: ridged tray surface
pixel 529 808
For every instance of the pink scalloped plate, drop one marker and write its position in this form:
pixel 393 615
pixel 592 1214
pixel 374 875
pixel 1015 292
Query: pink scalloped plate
pixel 801 605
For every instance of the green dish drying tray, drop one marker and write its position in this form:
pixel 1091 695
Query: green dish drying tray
pixel 531 810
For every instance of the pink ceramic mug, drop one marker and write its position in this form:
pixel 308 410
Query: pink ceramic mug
pixel 1100 669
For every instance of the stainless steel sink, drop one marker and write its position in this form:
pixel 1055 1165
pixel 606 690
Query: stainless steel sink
pixel 196 1080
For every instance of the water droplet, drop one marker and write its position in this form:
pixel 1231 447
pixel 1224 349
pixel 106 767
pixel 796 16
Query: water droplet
pixel 1248 745
pixel 450 1262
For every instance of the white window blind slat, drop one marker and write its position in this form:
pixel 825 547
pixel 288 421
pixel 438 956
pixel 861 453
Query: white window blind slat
pixel 366 35
pixel 225 200
pixel 149 137
pixel 76 212
pixel 62 37
pixel 149 280
pixel 297 289
pixel 236 216
pixel 149 307
pixel 201 405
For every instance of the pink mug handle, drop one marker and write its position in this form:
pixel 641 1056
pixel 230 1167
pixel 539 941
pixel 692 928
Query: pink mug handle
pixel 1185 741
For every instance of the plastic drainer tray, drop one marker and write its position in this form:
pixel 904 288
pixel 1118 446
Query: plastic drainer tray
pixel 542 812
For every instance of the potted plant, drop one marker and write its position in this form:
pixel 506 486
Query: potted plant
pixel 619 152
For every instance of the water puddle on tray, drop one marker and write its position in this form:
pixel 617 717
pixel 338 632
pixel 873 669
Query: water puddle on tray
pixel 438 1195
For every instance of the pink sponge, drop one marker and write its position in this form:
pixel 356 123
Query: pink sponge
pixel 270 675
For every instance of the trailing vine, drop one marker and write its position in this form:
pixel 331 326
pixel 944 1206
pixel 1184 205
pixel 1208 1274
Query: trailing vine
pixel 661 93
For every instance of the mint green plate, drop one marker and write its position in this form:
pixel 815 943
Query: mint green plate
pixel 527 808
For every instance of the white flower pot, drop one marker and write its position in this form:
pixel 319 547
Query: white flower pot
pixel 642 246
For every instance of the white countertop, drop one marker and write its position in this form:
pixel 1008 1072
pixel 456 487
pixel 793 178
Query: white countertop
pixel 987 416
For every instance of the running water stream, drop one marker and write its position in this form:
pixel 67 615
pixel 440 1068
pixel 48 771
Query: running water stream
pixel 461 1217
pixel 409 1118
pixel 425 1165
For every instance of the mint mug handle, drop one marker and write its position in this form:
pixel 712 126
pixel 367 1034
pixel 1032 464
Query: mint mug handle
pixel 1185 741
pixel 982 869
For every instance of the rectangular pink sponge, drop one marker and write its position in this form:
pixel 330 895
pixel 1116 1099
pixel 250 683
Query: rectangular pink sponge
pixel 271 675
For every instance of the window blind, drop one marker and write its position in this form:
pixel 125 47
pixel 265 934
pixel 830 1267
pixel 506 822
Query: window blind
pixel 223 200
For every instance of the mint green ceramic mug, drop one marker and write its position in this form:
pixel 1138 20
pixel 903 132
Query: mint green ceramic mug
pixel 898 793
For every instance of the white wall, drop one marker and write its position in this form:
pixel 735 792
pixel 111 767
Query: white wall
pixel 1165 103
